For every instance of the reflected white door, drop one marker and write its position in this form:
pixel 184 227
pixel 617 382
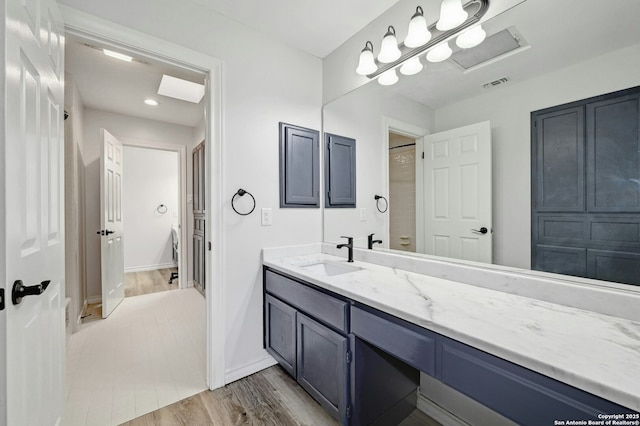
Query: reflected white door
pixel 32 331
pixel 457 193
pixel 112 253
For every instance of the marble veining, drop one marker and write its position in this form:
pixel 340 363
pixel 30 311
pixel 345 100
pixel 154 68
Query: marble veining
pixel 592 351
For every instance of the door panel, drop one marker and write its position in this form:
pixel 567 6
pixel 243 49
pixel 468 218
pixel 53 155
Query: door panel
pixel 112 250
pixel 457 193
pixel 32 179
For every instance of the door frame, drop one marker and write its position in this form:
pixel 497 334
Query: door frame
pixel 418 133
pixel 181 150
pixel 126 39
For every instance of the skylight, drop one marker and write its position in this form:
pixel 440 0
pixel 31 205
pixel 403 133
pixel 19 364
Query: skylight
pixel 181 89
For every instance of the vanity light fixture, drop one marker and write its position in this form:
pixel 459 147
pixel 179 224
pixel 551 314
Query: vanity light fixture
pixel 389 51
pixel 471 37
pixel 388 78
pixel 455 21
pixel 451 15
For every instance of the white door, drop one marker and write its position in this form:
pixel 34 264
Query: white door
pixel 32 333
pixel 112 253
pixel 457 193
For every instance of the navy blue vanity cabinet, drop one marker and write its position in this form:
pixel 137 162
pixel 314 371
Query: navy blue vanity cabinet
pixel 306 332
pixel 323 364
pixel 280 336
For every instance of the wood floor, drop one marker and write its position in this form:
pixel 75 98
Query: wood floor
pixel 270 397
pixel 138 283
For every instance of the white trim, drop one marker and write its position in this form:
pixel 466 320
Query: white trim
pixel 190 284
pixel 145 268
pixel 92 300
pixel 412 131
pixel 249 369
pixel 437 413
pixel 127 39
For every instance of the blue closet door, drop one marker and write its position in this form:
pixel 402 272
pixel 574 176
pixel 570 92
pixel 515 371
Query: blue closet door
pixel 585 181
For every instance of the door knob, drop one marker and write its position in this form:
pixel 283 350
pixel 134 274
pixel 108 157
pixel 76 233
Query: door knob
pixel 482 230
pixel 105 232
pixel 20 290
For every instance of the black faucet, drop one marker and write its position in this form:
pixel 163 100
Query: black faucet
pixel 349 245
pixel 371 242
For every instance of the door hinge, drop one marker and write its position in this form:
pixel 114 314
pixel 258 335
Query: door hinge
pixel 348 411
pixel 348 357
pixel 209 245
pixel 423 155
pixel 1 299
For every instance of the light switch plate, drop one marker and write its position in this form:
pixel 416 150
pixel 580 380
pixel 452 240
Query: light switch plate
pixel 267 218
pixel 363 214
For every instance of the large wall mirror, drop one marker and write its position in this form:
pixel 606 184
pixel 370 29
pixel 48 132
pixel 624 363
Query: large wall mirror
pixel 557 52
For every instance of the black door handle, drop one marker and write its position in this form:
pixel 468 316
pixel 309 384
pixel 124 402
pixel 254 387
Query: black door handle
pixel 105 232
pixel 482 230
pixel 20 290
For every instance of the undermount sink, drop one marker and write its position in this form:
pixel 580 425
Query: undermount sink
pixel 330 268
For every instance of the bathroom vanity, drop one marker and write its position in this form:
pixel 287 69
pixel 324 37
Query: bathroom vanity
pixel 357 335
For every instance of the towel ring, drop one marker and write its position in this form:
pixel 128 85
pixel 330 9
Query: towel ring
pixel 241 193
pixel 162 209
pixel 386 203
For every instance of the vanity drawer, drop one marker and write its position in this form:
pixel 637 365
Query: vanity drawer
pixel 397 337
pixel 321 306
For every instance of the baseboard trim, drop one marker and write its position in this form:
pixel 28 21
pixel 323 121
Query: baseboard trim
pixel 190 284
pixel 145 268
pixel 91 300
pixel 249 369
pixel 439 414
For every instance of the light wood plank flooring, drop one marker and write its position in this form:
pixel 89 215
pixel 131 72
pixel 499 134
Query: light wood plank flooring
pixel 138 283
pixel 270 397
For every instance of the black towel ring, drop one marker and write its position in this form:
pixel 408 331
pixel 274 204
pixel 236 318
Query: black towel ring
pixel 241 193
pixel 386 203
pixel 162 209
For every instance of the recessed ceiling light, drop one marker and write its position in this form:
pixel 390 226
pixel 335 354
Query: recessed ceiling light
pixel 181 89
pixel 117 55
pixel 151 102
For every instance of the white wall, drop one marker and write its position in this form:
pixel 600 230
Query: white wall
pixel 264 82
pixel 360 115
pixel 150 178
pixel 509 109
pixel 129 130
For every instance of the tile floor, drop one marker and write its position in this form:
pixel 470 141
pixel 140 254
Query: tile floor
pixel 149 353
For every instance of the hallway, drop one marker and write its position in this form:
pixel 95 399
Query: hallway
pixel 148 354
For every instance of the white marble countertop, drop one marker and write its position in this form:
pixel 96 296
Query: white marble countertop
pixel 591 351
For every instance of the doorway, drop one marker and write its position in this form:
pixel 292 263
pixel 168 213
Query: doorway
pixel 152 49
pixel 402 192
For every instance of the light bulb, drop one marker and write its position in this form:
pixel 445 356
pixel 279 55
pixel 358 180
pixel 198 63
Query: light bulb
pixel 388 78
pixel 389 51
pixel 451 15
pixel 439 53
pixel 412 66
pixel 471 37
pixel 367 65
pixel 418 33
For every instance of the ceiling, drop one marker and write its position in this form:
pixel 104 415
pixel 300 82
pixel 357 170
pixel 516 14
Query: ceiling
pixel 312 26
pixel 112 85
pixel 560 33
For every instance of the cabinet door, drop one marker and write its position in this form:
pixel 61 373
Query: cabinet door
pixel 322 365
pixel 340 171
pixel 299 167
pixel 280 333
